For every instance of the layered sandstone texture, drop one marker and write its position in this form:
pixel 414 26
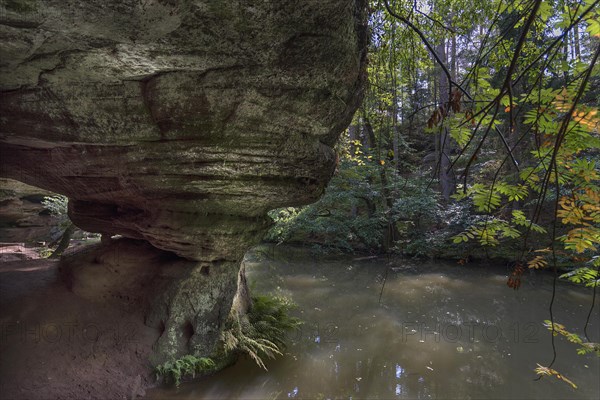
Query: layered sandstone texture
pixel 177 122
pixel 23 217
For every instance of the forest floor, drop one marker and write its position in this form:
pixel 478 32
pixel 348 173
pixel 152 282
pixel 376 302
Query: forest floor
pixel 56 345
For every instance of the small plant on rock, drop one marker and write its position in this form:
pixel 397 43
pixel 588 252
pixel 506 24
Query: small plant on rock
pixel 261 332
pixel 172 371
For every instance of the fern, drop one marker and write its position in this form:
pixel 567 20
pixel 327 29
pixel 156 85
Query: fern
pixel 261 333
pixel 189 365
pixel 242 337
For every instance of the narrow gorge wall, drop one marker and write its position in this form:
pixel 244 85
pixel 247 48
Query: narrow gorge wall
pixel 178 124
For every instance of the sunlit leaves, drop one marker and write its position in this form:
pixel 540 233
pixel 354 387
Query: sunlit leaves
pixel 583 172
pixel 354 152
pixel 585 347
pixel 484 199
pixel 570 212
pixel 488 233
pixel 488 198
pixel 581 239
pixel 545 11
pixel 593 21
pixel 518 218
pixel 593 27
pixel 582 211
pixel 541 370
pixel 559 329
pixel 492 231
pixel 538 262
pixel 513 192
pixel 585 275
pixel 461 134
pixel 589 118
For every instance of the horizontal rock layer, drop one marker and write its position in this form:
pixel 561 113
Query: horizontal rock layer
pixel 23 217
pixel 178 122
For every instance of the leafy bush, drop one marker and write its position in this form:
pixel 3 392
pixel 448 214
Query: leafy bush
pixel 352 215
pixel 346 218
pixel 58 206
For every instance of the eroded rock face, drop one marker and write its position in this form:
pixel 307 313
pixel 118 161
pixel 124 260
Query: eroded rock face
pixel 179 122
pixel 23 217
pixel 186 301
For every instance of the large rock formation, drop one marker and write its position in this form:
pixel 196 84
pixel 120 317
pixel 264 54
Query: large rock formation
pixel 23 217
pixel 179 123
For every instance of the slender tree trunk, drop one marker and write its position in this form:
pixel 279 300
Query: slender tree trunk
pixel 391 233
pixel 454 65
pixel 577 43
pixel 367 136
pixel 443 139
pixel 394 82
pixel 65 240
pixel 566 56
pixel 353 135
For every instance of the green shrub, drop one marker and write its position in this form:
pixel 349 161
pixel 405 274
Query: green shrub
pixel 58 206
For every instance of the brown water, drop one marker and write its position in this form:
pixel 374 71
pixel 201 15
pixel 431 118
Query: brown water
pixel 441 331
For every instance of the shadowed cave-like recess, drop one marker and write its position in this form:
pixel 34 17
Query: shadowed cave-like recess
pixel 178 125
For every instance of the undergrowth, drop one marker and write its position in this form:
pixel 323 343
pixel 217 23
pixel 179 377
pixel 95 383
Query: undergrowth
pixel 172 371
pixel 260 333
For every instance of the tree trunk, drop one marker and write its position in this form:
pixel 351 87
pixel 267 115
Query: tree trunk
pixel 392 231
pixel 442 138
pixel 65 240
pixel 353 135
pixel 577 43
pixel 454 65
pixel 393 76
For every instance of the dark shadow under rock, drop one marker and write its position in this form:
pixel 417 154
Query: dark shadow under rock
pixel 187 302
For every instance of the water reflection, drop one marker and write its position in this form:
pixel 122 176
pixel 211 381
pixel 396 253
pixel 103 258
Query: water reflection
pixel 441 331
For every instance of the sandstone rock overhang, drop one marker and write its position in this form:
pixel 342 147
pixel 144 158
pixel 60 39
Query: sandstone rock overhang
pixel 178 122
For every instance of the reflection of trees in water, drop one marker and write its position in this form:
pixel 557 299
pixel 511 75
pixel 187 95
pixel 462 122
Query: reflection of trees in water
pixel 448 378
pixel 393 363
pixel 388 369
pixel 490 321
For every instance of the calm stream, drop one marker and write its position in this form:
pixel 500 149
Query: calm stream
pixel 442 331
